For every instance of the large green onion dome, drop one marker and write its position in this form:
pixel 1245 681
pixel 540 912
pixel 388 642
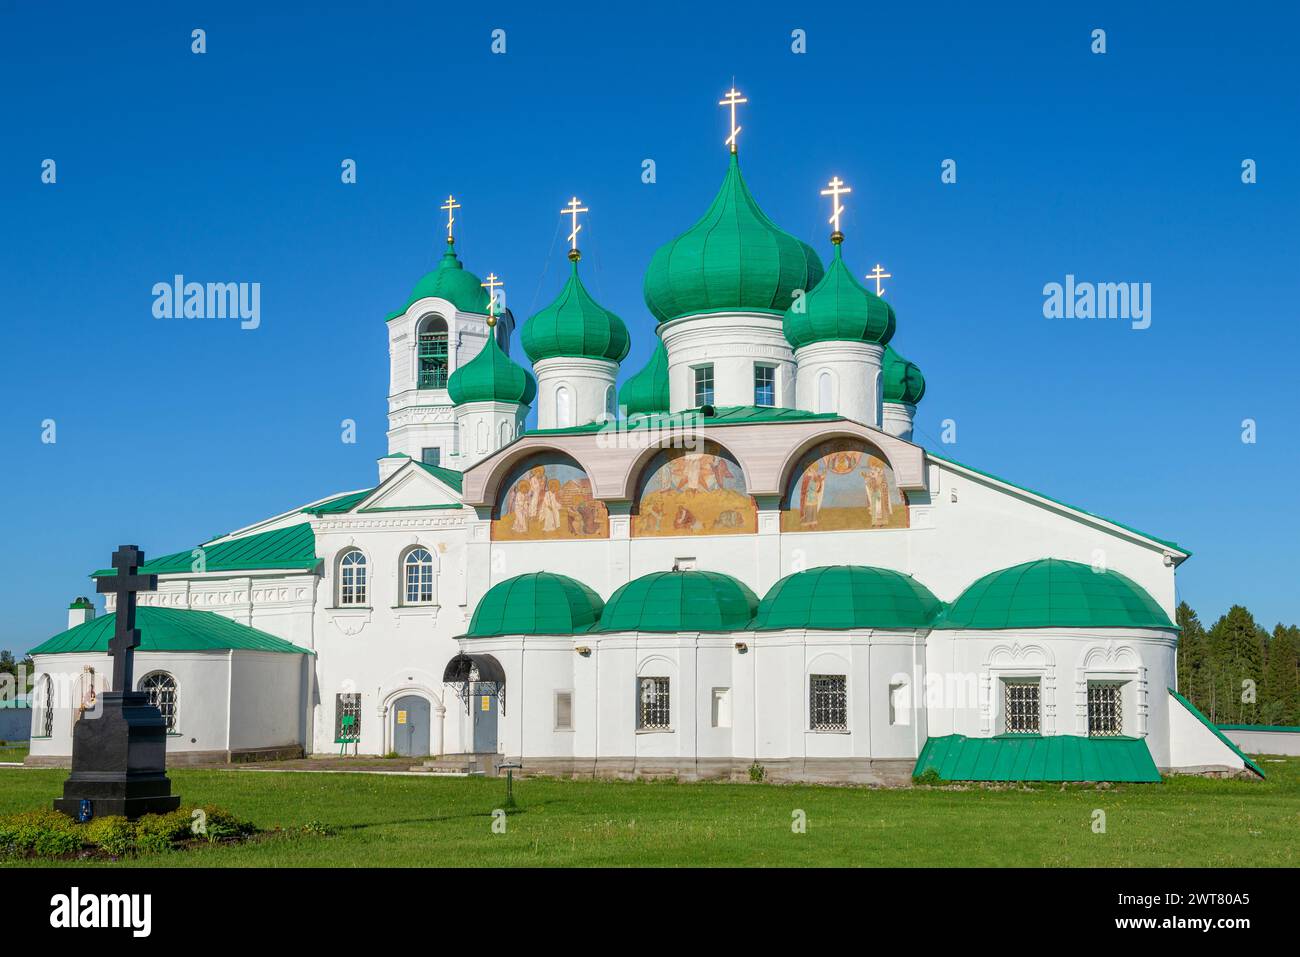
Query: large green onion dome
pixel 491 376
pixel 679 601
pixel 538 603
pixel 839 309
pixel 734 259
pixel 453 282
pixel 1052 593
pixel 847 596
pixel 575 325
pixel 647 391
pixel 903 381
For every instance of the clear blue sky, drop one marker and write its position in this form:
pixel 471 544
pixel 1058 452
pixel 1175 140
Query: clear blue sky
pixel 1119 167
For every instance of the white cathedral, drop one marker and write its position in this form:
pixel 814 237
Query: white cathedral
pixel 740 564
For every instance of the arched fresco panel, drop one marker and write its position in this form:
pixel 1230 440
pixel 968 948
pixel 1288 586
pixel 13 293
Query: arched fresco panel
pixel 548 496
pixel 693 492
pixel 842 484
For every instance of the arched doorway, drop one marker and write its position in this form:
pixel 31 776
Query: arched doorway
pixel 411 726
pixel 480 682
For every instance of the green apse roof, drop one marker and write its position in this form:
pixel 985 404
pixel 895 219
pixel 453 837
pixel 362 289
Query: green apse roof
pixel 450 281
pixel 847 596
pixel 539 603
pixel 491 376
pixel 1029 757
pixel 839 309
pixel 575 325
pixel 902 379
pixel 1052 593
pixel 169 629
pixel 733 259
pixel 293 547
pixel 647 391
pixel 680 601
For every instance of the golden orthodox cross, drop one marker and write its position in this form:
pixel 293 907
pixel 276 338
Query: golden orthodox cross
pixel 450 206
pixel 732 99
pixel 491 284
pixel 878 274
pixel 572 210
pixel 835 191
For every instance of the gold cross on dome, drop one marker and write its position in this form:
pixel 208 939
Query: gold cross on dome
pixel 491 284
pixel 572 210
pixel 878 274
pixel 450 206
pixel 732 99
pixel 835 191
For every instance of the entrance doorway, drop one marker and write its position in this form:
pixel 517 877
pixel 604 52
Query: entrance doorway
pixel 411 726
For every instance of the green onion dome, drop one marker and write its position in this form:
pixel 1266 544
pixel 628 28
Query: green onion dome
pixel 647 391
pixel 679 601
pixel 491 376
pixel 734 259
pixel 903 381
pixel 575 325
pixel 847 596
pixel 538 603
pixel 839 309
pixel 453 282
pixel 1052 593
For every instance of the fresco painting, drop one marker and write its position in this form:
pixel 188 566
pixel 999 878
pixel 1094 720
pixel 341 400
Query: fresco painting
pixel 694 492
pixel 548 497
pixel 842 484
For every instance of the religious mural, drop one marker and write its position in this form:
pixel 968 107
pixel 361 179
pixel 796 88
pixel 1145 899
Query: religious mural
pixel 842 484
pixel 685 492
pixel 548 496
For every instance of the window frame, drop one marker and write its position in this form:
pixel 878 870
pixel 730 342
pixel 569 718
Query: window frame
pixel 171 716
pixel 704 372
pixel 406 566
pixel 1117 688
pixel 656 715
pixel 770 369
pixel 820 704
pixel 440 360
pixel 555 710
pixel 1009 710
pixel 342 567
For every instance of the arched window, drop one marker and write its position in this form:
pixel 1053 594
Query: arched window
pixel 417 577
pixel 563 408
pixel 825 392
pixel 161 689
pixel 45 717
pixel 611 403
pixel 482 436
pixel 503 436
pixel 352 578
pixel 431 354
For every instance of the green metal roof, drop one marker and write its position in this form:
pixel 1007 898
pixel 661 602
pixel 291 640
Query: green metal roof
pixel 1053 593
pixel 491 376
pixel 538 603
pixel 839 309
pixel 1196 713
pixel 575 325
pixel 847 596
pixel 342 503
pixel 1021 757
pixel 722 415
pixel 169 629
pixel 447 476
pixel 293 547
pixel 647 392
pixel 679 601
pixel 901 378
pixel 450 281
pixel 1291 728
pixel 734 258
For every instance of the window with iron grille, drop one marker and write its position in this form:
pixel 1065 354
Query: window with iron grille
pixel 703 386
pixel 161 689
pixel 1105 709
pixel 46 698
pixel 1020 707
pixel 432 357
pixel 653 712
pixel 828 702
pixel 418 570
pixel 764 385
pixel 352 578
pixel 564 711
pixel 347 718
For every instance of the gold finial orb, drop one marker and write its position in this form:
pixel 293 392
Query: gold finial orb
pixel 574 255
pixel 837 237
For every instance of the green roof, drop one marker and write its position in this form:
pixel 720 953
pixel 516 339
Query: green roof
pixel 733 259
pixel 1053 593
pixel 450 281
pixel 847 596
pixel 293 547
pixel 538 603
pixel 491 376
pixel 839 309
pixel 1021 757
pixel 169 629
pixel 722 415
pixel 901 378
pixel 341 503
pixel 647 391
pixel 446 476
pixel 1196 713
pixel 679 601
pixel 1288 728
pixel 575 325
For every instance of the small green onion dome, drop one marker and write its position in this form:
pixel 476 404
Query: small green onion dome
pixel 575 325
pixel 647 391
pixel 453 282
pixel 1053 593
pixel 538 603
pixel 679 601
pixel 903 381
pixel 491 376
pixel 847 596
pixel 733 259
pixel 839 309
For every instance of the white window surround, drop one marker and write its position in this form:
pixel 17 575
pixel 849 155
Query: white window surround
pixel 1011 662
pixel 352 590
pixel 561 707
pixel 407 565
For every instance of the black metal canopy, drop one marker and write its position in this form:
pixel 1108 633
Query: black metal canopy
pixel 458 669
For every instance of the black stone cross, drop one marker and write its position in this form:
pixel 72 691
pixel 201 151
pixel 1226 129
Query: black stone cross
pixel 126 637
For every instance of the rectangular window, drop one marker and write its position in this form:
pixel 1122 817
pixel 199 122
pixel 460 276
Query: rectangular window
pixel 652 709
pixel 1021 707
pixel 900 704
pixel 764 385
pixel 722 707
pixel 347 718
pixel 828 702
pixel 431 456
pixel 564 711
pixel 1105 709
pixel 432 359
pixel 703 386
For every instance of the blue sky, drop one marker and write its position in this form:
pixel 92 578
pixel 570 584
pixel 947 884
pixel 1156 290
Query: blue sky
pixel 226 167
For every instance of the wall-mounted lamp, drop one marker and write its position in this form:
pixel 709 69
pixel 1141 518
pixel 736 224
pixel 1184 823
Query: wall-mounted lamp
pixel 742 647
pixel 583 650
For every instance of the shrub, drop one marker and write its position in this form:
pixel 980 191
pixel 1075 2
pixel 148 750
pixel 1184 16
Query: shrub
pixel 220 823
pixel 930 776
pixel 46 833
pixel 155 833
pixel 757 772
pixel 114 835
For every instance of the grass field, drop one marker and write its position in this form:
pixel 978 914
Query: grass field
pixel 395 821
pixel 13 752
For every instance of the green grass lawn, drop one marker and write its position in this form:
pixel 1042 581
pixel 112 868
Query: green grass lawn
pixel 13 752
pixel 389 820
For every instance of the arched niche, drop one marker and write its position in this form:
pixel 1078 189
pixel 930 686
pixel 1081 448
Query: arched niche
pixel 839 484
pixel 700 491
pixel 547 496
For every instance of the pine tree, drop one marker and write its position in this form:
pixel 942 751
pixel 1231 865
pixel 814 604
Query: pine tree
pixel 1193 671
pixel 1280 703
pixel 1236 657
